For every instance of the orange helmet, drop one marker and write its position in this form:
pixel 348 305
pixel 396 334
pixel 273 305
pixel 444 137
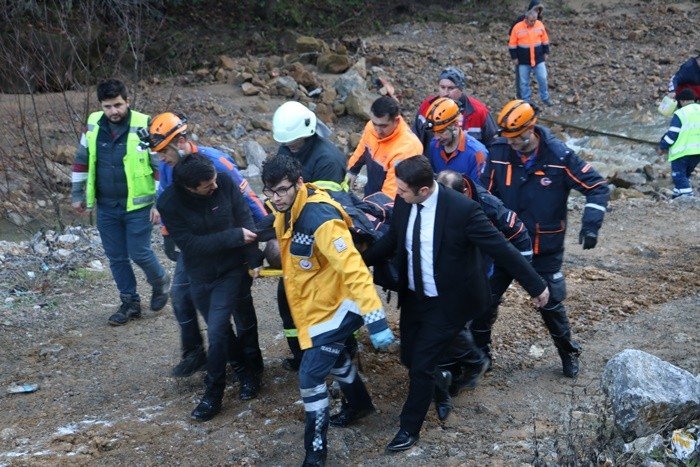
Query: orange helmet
pixel 163 129
pixel 442 113
pixel 516 117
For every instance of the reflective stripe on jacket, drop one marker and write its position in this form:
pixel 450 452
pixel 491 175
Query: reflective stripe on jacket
pixel 140 181
pixel 688 140
pixel 328 286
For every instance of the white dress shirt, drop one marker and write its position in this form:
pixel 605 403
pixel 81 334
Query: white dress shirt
pixel 427 229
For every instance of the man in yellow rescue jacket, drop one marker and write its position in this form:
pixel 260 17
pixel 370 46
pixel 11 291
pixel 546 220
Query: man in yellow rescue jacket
pixel 330 294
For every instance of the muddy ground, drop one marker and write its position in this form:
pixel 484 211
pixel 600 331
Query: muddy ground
pixel 105 396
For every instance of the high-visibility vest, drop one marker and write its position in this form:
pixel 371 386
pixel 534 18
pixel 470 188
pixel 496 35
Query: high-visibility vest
pixel 141 187
pixel 688 141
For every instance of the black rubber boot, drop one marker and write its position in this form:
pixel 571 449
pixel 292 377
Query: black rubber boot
pixel 557 324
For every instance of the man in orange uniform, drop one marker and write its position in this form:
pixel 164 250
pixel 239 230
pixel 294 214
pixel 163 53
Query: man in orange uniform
pixel 386 141
pixel 529 47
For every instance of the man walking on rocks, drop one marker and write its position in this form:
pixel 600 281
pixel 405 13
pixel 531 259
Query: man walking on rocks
pixel 114 174
pixel 532 172
pixel 529 48
pixel 682 142
pixel 298 131
pixel 168 137
pixel 209 221
pixel 330 292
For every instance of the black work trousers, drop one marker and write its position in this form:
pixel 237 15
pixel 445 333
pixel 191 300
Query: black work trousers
pixel 426 336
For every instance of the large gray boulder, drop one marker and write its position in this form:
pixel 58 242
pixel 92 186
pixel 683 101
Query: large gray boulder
pixel 349 81
pixel 254 153
pixel 648 394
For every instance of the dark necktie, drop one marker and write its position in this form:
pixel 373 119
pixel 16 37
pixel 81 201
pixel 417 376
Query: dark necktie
pixel 415 253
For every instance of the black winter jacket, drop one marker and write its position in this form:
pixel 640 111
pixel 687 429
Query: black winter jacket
pixel 208 229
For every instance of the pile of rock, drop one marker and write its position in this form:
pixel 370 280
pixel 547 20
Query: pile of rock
pixel 656 406
pixel 75 247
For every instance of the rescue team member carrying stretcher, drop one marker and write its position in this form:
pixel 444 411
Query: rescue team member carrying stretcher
pixel 330 294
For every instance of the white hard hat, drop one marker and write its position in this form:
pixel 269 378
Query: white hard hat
pixel 292 120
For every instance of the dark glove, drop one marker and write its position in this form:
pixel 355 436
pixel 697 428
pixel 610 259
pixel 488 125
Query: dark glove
pixel 587 239
pixel 169 248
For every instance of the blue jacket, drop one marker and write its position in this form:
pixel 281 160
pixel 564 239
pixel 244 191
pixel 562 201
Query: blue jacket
pixel 223 164
pixel 469 159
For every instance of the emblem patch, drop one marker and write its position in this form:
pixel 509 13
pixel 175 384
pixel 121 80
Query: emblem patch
pixel 545 181
pixel 340 245
pixel 305 264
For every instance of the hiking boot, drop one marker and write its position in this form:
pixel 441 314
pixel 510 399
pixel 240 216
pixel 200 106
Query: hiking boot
pixel 208 407
pixel 315 458
pixel 291 364
pixel 191 363
pixel 161 292
pixel 349 415
pixel 569 363
pixel 470 378
pixel 128 310
pixel 249 386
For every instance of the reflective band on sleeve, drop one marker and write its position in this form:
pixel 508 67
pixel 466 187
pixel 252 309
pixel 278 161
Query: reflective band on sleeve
pixel 526 253
pixel 595 206
pixel 78 177
pixel 291 333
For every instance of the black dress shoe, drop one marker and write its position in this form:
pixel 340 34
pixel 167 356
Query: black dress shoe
pixel 402 441
pixel 315 458
pixel 349 415
pixel 207 408
pixel 441 396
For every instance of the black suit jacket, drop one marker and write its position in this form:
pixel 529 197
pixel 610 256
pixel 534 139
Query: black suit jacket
pixel 461 229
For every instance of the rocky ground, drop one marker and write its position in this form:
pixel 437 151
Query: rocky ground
pixel 104 394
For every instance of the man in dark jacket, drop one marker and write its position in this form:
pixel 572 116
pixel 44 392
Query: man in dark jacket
pixel 210 222
pixel 532 172
pixel 438 236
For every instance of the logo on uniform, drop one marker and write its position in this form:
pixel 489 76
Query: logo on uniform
pixel 305 264
pixel 340 245
pixel 546 181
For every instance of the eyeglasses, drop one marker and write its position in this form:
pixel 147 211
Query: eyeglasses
pixel 280 192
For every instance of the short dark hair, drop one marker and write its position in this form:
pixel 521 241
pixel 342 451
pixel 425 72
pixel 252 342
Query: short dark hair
pixel 280 167
pixel 110 89
pixel 192 170
pixel 385 105
pixel 452 179
pixel 416 172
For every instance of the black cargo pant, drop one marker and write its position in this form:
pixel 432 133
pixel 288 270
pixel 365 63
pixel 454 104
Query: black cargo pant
pixel 553 313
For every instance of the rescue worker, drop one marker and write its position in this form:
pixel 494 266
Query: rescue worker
pixel 168 137
pixel 114 174
pixel 533 5
pixel 210 222
pixel 452 148
pixel 476 118
pixel 386 141
pixel 532 172
pixel 330 292
pixel 467 362
pixel 299 133
pixel 529 47
pixel 682 142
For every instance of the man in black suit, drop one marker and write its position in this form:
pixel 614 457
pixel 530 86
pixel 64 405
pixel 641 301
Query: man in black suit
pixel 447 286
